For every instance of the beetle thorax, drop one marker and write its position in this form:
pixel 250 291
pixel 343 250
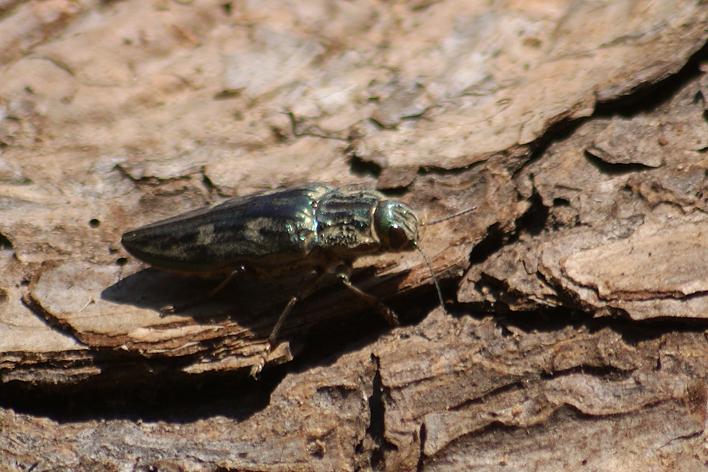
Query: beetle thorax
pixel 345 223
pixel 358 222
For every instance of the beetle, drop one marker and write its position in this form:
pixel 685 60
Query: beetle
pixel 312 228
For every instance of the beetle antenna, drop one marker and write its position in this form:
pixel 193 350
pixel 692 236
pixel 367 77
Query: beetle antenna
pixel 449 217
pixel 432 274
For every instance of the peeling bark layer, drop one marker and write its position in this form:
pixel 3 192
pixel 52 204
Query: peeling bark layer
pixel 577 287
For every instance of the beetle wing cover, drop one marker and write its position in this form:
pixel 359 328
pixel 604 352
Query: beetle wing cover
pixel 270 228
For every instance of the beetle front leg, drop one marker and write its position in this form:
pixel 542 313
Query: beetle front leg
pixel 305 290
pixel 388 314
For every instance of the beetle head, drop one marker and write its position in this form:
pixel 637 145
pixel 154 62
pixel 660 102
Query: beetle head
pixel 396 225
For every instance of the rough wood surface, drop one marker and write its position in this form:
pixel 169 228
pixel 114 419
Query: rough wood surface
pixel 575 335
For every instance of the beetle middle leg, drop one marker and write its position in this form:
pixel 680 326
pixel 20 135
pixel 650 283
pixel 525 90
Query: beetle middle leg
pixel 305 290
pixel 172 309
pixel 341 271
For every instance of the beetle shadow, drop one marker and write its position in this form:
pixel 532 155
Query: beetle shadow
pixel 247 300
pixel 254 304
pixel 243 298
pixel 320 330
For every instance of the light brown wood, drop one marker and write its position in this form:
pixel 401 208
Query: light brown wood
pixel 575 337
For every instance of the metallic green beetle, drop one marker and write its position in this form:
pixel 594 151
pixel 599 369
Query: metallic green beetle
pixel 313 227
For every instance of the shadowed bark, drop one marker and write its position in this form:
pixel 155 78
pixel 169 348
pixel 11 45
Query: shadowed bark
pixel 577 289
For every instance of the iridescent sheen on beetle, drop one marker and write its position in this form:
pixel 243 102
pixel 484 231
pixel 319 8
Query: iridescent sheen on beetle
pixel 277 231
pixel 315 228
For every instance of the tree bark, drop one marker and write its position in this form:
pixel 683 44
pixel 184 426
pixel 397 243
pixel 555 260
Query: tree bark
pixel 574 332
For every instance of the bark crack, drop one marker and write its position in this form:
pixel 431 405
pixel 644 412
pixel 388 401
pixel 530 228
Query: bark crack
pixel 377 420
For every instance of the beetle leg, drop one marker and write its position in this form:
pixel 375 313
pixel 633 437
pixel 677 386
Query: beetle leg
pixel 305 290
pixel 172 309
pixel 388 314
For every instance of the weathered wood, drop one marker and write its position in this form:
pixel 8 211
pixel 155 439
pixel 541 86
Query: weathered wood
pixel 577 289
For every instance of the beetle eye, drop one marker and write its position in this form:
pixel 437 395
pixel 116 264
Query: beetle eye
pixel 397 238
